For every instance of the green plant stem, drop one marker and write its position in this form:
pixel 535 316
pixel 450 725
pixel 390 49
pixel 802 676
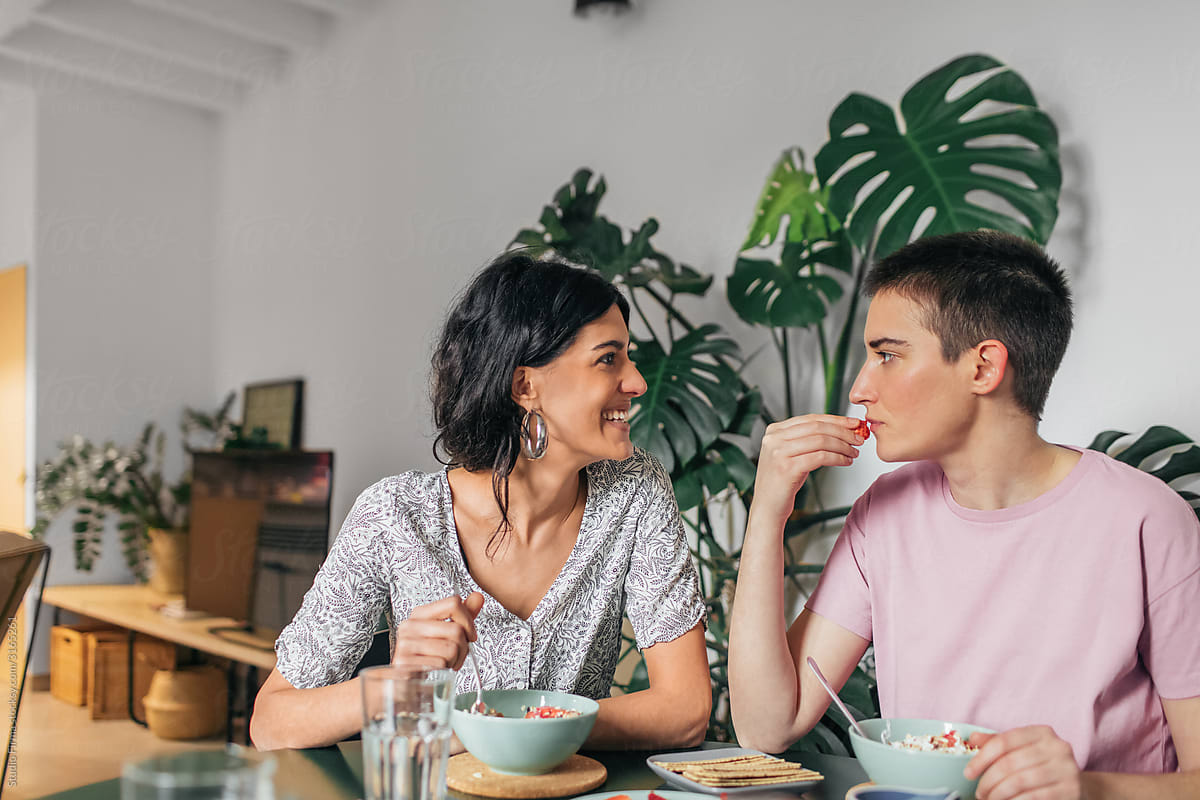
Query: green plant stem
pixel 645 320
pixel 785 357
pixel 764 413
pixel 834 389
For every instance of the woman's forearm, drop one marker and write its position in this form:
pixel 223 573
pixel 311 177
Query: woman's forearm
pixel 651 719
pixel 296 718
pixel 762 676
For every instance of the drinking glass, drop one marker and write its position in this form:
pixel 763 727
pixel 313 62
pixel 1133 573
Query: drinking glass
pixel 406 731
pixel 235 773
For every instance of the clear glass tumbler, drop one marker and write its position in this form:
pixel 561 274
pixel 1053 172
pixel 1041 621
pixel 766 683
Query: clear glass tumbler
pixel 406 732
pixel 235 773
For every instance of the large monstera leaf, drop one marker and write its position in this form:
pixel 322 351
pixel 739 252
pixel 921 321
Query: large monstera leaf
pixel 791 293
pixel 940 151
pixel 794 192
pixel 572 228
pixel 1161 451
pixel 722 464
pixel 690 398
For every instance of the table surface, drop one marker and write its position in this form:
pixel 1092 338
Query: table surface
pixel 335 773
pixel 135 607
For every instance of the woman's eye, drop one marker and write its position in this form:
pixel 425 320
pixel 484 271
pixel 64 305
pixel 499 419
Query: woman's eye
pixel 885 357
pixel 608 359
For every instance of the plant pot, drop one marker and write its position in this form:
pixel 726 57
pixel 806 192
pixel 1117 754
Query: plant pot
pixel 168 560
pixel 187 703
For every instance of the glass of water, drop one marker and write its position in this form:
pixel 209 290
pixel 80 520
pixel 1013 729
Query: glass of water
pixel 406 731
pixel 234 773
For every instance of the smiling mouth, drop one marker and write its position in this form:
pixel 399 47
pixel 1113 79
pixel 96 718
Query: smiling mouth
pixel 616 415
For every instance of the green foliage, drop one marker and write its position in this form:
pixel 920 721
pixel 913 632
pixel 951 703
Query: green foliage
pixel 95 480
pixel 938 148
pixel 883 177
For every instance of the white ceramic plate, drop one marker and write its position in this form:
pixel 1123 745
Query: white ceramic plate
pixel 675 779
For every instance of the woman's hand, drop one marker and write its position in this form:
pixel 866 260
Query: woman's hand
pixel 437 634
pixel 1025 762
pixel 793 448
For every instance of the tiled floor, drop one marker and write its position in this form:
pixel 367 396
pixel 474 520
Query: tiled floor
pixel 59 747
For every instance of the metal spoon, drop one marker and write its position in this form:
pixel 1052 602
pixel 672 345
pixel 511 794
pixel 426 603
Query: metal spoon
pixel 837 700
pixel 478 707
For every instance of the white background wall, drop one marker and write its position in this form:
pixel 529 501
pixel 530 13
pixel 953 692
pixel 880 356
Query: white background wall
pixel 121 285
pixel 322 229
pixel 16 175
pixel 360 194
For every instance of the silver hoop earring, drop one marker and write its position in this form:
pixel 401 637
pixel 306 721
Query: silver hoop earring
pixel 534 437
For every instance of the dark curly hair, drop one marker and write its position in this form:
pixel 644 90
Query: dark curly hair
pixel 518 311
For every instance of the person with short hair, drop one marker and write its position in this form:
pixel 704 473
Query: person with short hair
pixel 546 527
pixel 1046 592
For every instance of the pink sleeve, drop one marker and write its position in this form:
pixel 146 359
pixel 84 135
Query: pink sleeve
pixel 1170 643
pixel 843 594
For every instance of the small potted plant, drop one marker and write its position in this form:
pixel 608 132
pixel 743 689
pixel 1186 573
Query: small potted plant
pixel 152 513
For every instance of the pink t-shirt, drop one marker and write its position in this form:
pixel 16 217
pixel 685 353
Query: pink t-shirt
pixel 1077 610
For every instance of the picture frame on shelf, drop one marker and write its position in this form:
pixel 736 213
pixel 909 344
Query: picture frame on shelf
pixel 276 406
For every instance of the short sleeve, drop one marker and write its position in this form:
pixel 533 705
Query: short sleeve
pixel 843 593
pixel 662 589
pixel 333 628
pixel 1170 642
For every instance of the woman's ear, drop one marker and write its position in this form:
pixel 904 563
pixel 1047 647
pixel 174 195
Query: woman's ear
pixel 524 392
pixel 990 363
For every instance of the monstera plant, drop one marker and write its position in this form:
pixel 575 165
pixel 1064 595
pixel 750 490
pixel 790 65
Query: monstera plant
pixel 967 148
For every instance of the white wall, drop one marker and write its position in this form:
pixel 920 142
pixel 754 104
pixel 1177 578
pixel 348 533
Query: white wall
pixel 361 192
pixel 16 175
pixel 122 283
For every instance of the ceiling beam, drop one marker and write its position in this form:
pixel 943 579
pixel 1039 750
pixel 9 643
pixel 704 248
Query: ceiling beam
pixel 65 55
pixel 282 23
pixel 166 36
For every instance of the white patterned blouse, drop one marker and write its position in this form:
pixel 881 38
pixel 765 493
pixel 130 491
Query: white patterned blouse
pixel 399 549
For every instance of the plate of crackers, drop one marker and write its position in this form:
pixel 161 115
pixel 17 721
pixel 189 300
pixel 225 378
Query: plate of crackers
pixel 731 770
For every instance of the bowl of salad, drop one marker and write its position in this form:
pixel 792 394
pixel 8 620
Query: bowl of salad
pixel 917 753
pixel 523 731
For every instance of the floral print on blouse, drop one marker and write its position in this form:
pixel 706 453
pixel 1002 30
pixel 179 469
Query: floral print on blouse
pixel 399 549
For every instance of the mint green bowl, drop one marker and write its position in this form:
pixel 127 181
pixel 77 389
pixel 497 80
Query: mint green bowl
pixel 516 746
pixel 910 769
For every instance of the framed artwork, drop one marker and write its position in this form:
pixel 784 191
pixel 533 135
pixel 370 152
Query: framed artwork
pixel 276 406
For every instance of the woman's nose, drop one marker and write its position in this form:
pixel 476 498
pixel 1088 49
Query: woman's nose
pixel 633 383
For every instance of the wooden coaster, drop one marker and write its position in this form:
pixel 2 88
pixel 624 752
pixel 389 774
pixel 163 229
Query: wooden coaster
pixel 578 774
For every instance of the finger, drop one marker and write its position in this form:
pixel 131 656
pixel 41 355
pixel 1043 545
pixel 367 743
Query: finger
pixel 1024 768
pixel 474 604
pixel 803 433
pixel 439 609
pixel 413 629
pixel 1049 780
pixel 432 650
pixel 836 420
pixel 997 745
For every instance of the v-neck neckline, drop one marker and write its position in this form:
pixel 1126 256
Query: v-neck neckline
pixel 460 561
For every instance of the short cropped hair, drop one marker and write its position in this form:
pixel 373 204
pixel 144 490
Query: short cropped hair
pixel 982 285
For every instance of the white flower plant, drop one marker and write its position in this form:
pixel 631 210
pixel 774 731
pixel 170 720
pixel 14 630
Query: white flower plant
pixel 98 480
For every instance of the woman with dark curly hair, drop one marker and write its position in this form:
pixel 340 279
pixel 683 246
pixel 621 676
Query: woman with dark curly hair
pixel 546 527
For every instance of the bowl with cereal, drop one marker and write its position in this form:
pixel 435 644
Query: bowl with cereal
pixel 917 753
pixel 523 731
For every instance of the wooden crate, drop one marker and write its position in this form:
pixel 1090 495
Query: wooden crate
pixel 69 661
pixel 108 674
